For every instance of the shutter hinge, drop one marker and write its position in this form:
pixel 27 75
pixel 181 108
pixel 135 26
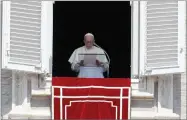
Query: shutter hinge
pixel 148 72
pixel 45 75
pixel 181 50
pixel 135 77
pixel 8 52
pixel 140 76
pixel 7 49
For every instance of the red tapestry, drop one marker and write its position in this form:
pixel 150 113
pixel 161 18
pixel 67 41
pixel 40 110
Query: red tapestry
pixel 90 98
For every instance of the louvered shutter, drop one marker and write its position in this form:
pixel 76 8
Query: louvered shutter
pixel 22 35
pixel 162 37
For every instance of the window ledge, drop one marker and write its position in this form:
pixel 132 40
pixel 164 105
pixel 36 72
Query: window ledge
pixel 135 94
pixel 153 115
pixel 41 92
pixel 142 95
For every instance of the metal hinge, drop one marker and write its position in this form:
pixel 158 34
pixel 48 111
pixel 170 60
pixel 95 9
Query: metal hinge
pixel 135 77
pixel 181 50
pixel 148 72
pixel 141 76
pixel 8 52
pixel 46 74
pixel 7 49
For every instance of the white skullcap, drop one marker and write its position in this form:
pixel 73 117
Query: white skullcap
pixel 89 34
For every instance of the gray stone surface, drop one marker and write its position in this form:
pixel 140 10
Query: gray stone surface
pixel 142 105
pixel 40 101
pixel 6 93
pixel 183 96
pixel 165 91
pixel 177 93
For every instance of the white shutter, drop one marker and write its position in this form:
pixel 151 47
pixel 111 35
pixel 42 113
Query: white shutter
pixel 22 35
pixel 162 37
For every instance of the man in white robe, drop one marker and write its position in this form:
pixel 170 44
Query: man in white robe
pixel 77 65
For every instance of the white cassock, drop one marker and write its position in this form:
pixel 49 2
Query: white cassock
pixel 88 72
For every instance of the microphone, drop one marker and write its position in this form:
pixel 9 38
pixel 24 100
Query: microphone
pixel 107 58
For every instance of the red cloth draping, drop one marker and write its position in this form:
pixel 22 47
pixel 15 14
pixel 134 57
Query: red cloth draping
pixel 90 108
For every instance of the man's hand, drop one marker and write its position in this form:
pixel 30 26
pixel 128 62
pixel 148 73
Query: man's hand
pixel 98 63
pixel 81 63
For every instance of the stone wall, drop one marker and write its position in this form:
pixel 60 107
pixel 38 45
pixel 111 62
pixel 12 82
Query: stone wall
pixel 183 96
pixel 179 95
pixel 6 92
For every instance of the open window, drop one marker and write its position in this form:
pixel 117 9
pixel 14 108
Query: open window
pixel 160 37
pixel 110 27
pixel 27 36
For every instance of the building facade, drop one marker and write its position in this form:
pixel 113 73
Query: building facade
pixel 158 60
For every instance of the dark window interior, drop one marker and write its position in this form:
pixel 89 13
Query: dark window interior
pixel 110 22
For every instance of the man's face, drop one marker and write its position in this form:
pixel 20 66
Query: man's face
pixel 88 40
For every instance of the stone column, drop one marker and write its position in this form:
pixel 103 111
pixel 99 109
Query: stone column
pixel 165 94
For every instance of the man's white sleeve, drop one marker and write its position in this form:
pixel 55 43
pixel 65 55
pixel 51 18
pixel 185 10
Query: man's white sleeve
pixel 75 67
pixel 105 66
pixel 73 60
